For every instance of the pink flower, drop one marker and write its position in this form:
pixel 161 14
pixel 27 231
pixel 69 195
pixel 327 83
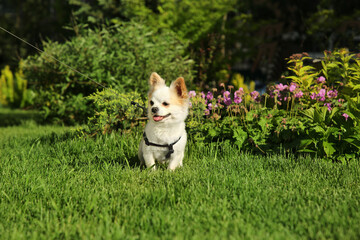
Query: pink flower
pixel 299 94
pixel 237 95
pixel 239 92
pixel 207 112
pixel 313 96
pixel 227 101
pixel 328 106
pixel 202 95
pixel 237 99
pixel 255 95
pixel 209 96
pixel 281 87
pixel 322 92
pixel 292 87
pixel 332 93
pixel 321 79
pixel 192 94
pixel 210 106
pixel 345 116
pixel 226 94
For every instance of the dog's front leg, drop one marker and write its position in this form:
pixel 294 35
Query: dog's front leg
pixel 149 161
pixel 176 161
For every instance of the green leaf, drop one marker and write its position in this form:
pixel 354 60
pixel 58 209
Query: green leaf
pixel 328 148
pixel 354 142
pixel 330 131
pixel 319 129
pixel 213 132
pixel 320 115
pixel 306 151
pixel 305 142
pixel 240 135
pixel 309 113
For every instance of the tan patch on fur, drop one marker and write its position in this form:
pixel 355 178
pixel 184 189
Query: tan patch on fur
pixel 179 94
pixel 156 81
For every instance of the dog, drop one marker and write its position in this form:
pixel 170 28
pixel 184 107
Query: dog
pixel 164 138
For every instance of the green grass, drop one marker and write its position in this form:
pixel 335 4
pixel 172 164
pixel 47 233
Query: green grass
pixel 55 186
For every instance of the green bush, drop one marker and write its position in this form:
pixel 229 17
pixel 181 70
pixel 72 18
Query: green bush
pixel 13 89
pixel 113 111
pixel 311 114
pixel 120 56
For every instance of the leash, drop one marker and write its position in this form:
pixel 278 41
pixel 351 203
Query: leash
pixel 73 69
pixel 169 146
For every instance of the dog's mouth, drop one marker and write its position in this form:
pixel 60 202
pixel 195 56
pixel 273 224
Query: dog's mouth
pixel 158 118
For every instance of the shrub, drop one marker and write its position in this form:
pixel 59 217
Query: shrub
pixel 113 111
pixel 13 89
pixel 310 114
pixel 120 56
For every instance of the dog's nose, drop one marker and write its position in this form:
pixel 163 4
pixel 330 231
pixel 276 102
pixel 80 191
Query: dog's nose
pixel 155 109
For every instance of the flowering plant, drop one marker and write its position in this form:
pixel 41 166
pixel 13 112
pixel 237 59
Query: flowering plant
pixel 310 114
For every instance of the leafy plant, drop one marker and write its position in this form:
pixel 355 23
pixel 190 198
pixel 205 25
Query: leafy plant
pixel 13 89
pixel 120 56
pixel 113 111
pixel 319 120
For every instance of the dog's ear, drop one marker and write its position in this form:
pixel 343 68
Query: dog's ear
pixel 180 88
pixel 156 81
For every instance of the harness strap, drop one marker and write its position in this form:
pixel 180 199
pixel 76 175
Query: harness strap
pixel 169 146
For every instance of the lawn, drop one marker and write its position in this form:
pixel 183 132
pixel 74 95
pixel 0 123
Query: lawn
pixel 54 185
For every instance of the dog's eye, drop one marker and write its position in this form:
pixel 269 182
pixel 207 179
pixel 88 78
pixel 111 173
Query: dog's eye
pixel 151 103
pixel 165 104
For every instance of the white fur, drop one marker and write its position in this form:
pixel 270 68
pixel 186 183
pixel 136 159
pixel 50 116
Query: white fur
pixel 168 130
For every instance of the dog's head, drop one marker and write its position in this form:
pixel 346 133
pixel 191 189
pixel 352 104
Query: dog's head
pixel 167 104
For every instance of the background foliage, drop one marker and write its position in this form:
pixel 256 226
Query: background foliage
pixel 120 56
pixel 311 114
pixel 248 36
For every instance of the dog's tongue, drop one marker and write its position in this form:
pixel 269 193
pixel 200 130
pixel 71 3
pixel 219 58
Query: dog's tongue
pixel 158 118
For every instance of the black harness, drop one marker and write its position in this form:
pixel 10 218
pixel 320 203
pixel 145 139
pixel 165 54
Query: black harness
pixel 169 146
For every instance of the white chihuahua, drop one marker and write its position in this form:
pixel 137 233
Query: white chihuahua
pixel 164 138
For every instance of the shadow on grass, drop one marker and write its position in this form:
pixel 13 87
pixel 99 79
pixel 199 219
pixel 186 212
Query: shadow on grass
pixel 98 150
pixel 15 117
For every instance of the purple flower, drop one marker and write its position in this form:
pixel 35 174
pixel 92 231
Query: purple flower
pixel 345 116
pixel 292 87
pixel 207 112
pixel 328 106
pixel 322 92
pixel 202 95
pixel 255 95
pixel 332 93
pixel 321 79
pixel 237 99
pixel 239 92
pixel 209 96
pixel 299 94
pixel 237 95
pixel 226 94
pixel 227 101
pixel 192 94
pixel 281 87
pixel 210 106
pixel 190 104
pixel 313 96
